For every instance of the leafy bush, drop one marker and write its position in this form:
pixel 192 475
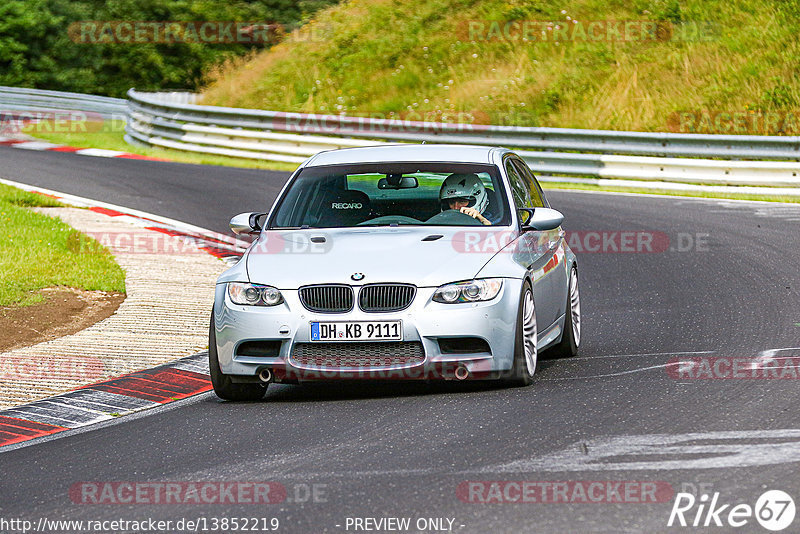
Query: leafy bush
pixel 36 49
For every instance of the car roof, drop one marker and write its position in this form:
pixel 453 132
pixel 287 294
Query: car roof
pixel 405 152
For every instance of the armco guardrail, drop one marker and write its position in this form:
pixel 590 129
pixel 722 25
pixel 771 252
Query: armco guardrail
pixel 28 101
pixel 605 141
pixel 173 120
pixel 291 137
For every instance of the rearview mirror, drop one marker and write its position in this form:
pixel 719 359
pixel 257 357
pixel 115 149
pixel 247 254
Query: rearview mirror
pixel 246 223
pixel 540 219
pixel 398 181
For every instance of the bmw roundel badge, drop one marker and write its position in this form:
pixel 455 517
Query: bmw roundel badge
pixel 357 276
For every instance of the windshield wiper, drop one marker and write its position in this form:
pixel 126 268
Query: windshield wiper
pixel 390 225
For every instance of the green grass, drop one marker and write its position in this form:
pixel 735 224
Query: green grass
pixel 418 59
pixel 111 137
pixel 670 192
pixel 37 251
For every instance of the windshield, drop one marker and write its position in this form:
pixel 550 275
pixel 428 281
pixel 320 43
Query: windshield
pixel 392 194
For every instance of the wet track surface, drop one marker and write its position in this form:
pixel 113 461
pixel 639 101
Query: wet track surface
pixel 722 283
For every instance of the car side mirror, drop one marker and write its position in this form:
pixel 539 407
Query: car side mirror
pixel 540 219
pixel 246 223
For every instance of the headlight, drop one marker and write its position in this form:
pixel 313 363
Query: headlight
pixel 254 295
pixel 472 291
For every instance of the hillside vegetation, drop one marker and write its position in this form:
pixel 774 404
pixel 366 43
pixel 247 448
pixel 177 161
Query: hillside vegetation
pixel 445 59
pixel 91 46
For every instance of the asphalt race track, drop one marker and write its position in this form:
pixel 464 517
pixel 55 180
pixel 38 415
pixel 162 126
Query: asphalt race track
pixel 721 284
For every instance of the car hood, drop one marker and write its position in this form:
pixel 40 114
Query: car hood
pixel 293 258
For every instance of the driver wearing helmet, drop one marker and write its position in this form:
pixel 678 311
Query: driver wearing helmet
pixel 465 193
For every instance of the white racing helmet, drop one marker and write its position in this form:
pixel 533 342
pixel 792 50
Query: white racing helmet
pixel 467 186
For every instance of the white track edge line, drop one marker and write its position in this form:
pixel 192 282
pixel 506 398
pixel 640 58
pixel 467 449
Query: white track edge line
pixel 128 211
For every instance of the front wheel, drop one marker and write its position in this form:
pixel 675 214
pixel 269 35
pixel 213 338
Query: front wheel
pixel 224 387
pixel 525 351
pixel 571 338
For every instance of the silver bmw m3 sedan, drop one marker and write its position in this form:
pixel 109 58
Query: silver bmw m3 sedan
pixel 397 262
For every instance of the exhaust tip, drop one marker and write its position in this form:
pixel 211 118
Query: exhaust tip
pixel 462 373
pixel 265 375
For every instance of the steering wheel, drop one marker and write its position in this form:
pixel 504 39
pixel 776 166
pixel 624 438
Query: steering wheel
pixel 454 218
pixel 389 219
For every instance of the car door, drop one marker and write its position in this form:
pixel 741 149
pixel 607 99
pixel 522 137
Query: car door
pixel 545 249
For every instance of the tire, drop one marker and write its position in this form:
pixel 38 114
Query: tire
pixel 571 338
pixel 525 351
pixel 224 387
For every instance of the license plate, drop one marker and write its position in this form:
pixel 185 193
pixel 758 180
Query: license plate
pixel 357 331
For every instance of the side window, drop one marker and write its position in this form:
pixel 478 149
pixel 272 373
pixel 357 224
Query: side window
pixel 519 190
pixel 537 196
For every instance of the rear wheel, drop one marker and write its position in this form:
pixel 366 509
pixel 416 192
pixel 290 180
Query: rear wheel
pixel 571 338
pixel 224 387
pixel 525 351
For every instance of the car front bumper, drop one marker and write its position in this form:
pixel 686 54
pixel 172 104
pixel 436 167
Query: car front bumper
pixel 425 321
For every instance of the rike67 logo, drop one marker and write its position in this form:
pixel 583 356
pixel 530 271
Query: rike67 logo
pixel 774 510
